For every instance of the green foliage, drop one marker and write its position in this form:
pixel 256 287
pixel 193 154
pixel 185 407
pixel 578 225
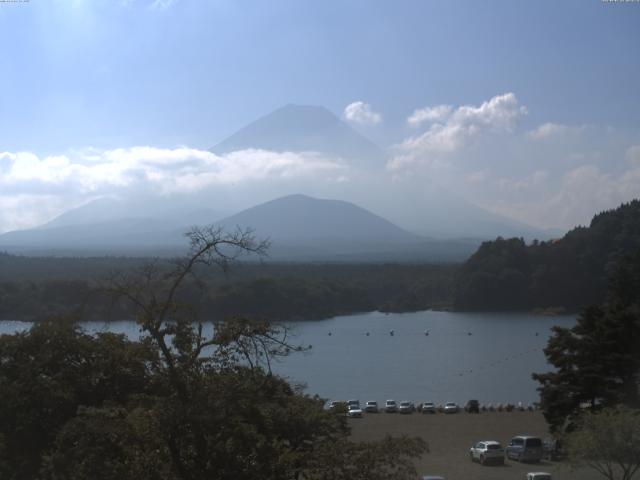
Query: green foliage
pixel 608 442
pixel 597 361
pixel 46 374
pixel 571 272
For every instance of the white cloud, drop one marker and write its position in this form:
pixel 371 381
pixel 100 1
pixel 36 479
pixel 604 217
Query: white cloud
pixel 546 130
pixel 361 113
pixel 429 114
pixel 34 189
pixel 552 130
pixel 633 155
pixel 581 193
pixel 162 4
pixel 524 184
pixel 499 114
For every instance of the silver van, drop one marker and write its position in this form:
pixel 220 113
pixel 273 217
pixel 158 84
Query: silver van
pixel 524 448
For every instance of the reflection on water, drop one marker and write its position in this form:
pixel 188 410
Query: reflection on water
pixel 488 356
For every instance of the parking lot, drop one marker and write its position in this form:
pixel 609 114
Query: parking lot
pixel 450 437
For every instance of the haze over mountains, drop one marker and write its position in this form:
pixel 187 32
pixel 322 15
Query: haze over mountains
pixel 408 223
pixel 299 228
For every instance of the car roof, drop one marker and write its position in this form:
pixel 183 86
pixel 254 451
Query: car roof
pixel 490 442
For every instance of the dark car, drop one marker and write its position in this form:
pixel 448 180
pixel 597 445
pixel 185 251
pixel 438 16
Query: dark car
pixel 472 406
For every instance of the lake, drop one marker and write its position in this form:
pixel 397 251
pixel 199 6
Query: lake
pixel 488 356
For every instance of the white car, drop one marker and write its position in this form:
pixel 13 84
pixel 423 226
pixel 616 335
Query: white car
pixel 538 476
pixel 451 407
pixel 390 406
pixel 354 411
pixel 371 407
pixel 406 407
pixel 487 451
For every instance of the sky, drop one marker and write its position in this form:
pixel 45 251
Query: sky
pixel 528 109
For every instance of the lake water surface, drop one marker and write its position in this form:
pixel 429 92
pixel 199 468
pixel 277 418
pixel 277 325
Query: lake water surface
pixel 488 356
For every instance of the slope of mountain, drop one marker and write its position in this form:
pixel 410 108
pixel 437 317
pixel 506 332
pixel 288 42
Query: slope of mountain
pixel 569 273
pixel 303 128
pixel 112 226
pixel 306 228
pixel 173 213
pixel 299 217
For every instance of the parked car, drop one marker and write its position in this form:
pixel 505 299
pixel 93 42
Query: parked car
pixel 428 407
pixel 390 406
pixel 406 407
pixel 538 476
pixel 525 448
pixel 354 411
pixel 451 407
pixel 472 406
pixel 353 402
pixel 487 451
pixel 371 407
pixel 337 405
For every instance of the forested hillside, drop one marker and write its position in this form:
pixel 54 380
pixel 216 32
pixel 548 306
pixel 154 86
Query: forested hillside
pixel 33 288
pixel 569 273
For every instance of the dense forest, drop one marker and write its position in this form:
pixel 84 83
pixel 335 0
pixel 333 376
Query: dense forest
pixel 32 288
pixel 565 274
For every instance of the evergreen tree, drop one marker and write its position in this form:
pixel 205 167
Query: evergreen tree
pixel 598 360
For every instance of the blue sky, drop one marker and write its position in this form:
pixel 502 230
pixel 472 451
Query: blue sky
pixel 101 75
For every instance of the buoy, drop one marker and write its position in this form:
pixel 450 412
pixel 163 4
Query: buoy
pixel 329 333
pixel 426 332
pixel 469 333
pixel 367 334
pixel 391 333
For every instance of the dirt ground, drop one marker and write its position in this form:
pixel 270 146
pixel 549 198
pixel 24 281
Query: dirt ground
pixel 450 437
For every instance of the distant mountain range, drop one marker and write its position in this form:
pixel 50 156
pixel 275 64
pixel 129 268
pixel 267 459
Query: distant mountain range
pixel 299 227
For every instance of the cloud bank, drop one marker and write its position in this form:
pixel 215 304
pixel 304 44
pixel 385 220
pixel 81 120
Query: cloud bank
pixel 34 189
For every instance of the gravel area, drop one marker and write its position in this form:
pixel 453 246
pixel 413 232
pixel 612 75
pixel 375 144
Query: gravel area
pixel 450 437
